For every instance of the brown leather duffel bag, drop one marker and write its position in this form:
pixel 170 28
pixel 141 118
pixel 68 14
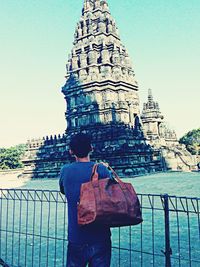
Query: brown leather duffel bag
pixel 108 201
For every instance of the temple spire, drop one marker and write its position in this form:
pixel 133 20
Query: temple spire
pixel 86 2
pixel 94 4
pixel 150 95
pixel 99 57
pixel 88 5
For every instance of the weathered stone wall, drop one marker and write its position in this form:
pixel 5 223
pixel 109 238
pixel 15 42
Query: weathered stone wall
pixel 122 146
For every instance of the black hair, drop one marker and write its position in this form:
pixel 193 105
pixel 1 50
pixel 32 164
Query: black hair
pixel 80 145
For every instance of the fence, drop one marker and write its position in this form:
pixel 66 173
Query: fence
pixel 33 226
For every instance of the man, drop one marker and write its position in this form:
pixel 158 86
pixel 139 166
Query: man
pixel 87 244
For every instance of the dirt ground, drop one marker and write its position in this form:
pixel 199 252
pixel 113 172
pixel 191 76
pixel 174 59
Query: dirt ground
pixel 11 180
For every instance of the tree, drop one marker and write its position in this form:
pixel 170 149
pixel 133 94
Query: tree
pixel 192 141
pixel 10 158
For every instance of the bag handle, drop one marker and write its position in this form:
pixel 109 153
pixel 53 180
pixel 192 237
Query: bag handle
pixel 95 175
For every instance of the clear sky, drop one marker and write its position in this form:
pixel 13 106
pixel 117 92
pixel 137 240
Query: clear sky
pixel 162 37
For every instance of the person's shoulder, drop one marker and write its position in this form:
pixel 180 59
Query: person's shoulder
pixel 66 167
pixel 102 166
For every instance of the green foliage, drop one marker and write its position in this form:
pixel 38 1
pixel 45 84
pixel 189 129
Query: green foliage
pixel 10 158
pixel 192 141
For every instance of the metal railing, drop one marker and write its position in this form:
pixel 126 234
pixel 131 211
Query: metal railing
pixel 33 226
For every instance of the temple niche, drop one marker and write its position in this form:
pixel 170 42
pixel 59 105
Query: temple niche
pixel 101 94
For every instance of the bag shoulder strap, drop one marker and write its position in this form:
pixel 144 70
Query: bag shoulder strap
pixel 116 177
pixel 94 175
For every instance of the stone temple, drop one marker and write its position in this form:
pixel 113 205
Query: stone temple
pixel 101 94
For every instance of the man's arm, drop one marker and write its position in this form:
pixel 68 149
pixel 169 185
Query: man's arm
pixel 61 182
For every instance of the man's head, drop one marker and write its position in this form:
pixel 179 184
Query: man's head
pixel 80 145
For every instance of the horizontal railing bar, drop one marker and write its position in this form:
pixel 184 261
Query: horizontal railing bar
pixel 61 195
pixel 171 210
pixel 170 196
pixel 184 259
pixel 139 251
pixel 139 194
pixel 50 198
pixel 143 207
pixel 60 239
pixel 31 234
pixel 114 247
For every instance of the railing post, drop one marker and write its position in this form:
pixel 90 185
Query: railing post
pixel 168 250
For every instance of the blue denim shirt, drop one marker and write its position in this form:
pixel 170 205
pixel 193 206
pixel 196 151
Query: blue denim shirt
pixel 71 178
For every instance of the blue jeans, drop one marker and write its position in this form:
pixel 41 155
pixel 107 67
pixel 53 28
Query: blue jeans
pixel 96 255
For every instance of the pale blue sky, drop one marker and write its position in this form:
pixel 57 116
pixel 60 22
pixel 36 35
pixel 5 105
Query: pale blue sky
pixel 162 37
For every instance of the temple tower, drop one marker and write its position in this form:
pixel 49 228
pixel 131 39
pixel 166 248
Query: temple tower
pixel 151 117
pixel 154 126
pixel 100 83
pixel 101 96
pixel 160 136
